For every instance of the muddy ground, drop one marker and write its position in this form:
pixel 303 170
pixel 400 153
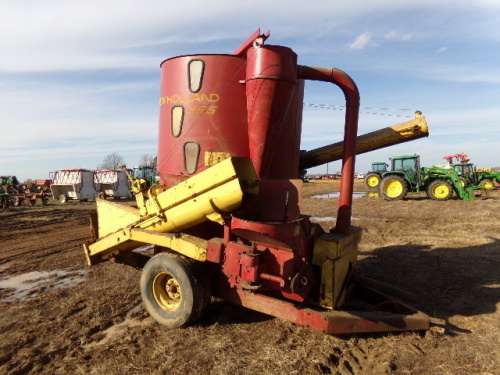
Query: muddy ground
pixel 59 317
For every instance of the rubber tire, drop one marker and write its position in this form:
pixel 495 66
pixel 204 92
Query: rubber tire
pixel 394 179
pixel 63 199
pixel 488 183
pixel 371 177
pixel 195 290
pixel 444 184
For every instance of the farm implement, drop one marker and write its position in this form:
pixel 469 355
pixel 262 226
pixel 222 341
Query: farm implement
pixel 14 193
pixel 226 219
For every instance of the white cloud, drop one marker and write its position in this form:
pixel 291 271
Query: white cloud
pixel 394 35
pixel 360 42
pixel 79 116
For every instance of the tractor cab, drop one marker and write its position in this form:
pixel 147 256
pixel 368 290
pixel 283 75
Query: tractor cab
pixel 380 167
pixel 465 169
pixel 467 173
pixel 409 166
pixel 143 172
pixel 147 174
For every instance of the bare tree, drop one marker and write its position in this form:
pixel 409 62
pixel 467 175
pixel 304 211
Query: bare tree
pixel 112 161
pixel 147 161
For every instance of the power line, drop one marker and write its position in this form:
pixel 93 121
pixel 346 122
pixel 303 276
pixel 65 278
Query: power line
pixel 333 107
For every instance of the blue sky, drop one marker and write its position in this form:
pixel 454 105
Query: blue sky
pixel 80 80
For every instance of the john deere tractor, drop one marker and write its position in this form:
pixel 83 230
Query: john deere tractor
pixel 406 175
pixel 146 173
pixel 470 176
pixel 372 179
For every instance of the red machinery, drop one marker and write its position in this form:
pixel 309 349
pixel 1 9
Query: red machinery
pixel 461 158
pixel 264 255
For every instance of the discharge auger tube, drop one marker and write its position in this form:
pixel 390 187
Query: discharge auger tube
pixel 392 135
pixel 351 94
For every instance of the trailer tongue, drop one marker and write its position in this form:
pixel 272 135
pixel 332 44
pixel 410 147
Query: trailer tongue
pixel 226 219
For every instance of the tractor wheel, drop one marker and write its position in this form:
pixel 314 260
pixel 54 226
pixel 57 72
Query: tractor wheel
pixel 372 180
pixel 393 188
pixel 488 184
pixel 174 289
pixel 463 182
pixel 63 198
pixel 439 190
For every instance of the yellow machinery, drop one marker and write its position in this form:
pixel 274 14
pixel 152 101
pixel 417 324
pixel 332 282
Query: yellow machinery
pixel 226 222
pixel 158 219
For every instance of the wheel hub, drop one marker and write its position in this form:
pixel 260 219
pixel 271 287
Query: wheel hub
pixel 167 291
pixel 441 191
pixel 393 189
pixel 488 184
pixel 372 181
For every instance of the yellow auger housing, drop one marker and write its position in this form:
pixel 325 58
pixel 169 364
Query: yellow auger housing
pixel 156 220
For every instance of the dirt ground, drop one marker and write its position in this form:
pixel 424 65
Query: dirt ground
pixel 59 317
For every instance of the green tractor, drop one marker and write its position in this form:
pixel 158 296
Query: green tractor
pixel 406 176
pixel 373 178
pixel 147 174
pixel 470 176
pixel 488 178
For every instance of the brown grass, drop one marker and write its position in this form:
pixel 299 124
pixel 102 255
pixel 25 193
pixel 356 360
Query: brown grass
pixel 447 253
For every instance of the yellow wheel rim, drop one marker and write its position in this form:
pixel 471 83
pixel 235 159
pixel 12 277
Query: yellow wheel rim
pixel 488 184
pixel 167 291
pixel 372 181
pixel 441 191
pixel 393 189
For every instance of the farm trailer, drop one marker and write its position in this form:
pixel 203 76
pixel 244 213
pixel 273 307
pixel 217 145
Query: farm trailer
pixel 74 184
pixel 226 222
pixel 113 183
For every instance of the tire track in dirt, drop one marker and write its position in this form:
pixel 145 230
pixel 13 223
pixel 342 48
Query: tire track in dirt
pixel 356 359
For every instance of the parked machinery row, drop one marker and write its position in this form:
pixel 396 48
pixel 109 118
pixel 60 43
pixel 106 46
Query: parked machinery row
pixel 71 184
pixel 14 193
pixel 439 182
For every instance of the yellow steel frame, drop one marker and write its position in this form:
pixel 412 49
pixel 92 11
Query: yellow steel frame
pixel 209 195
pixel 336 254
